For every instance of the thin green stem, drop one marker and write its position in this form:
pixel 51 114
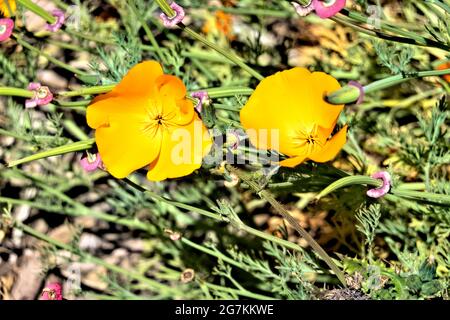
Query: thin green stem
pixel 232 57
pixel 242 293
pixel 87 91
pixel 49 57
pixel 16 92
pixel 223 92
pixel 217 217
pixel 73 147
pixel 349 94
pixel 266 195
pixel 44 14
pixel 148 32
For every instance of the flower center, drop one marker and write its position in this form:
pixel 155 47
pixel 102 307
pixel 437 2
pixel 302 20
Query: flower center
pixel 156 119
pixel 42 92
pixel 2 29
pixel 328 3
pixel 308 139
pixel 159 119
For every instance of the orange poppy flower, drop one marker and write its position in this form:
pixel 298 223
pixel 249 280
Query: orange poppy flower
pixel 288 113
pixel 4 7
pixel 443 67
pixel 147 120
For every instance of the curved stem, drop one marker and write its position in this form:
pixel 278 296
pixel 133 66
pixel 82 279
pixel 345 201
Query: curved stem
pixel 72 147
pixel 349 94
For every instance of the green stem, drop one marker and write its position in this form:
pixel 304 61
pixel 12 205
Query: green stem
pixel 41 12
pixel 73 147
pixel 90 37
pixel 253 12
pixel 402 191
pixel 217 217
pixel 233 58
pixel 442 199
pixel 49 57
pixel 148 32
pixel 87 91
pixel 16 92
pixel 218 255
pixel 266 195
pixel 223 92
pixel 348 181
pixel 409 37
pixel 243 293
pixel 349 94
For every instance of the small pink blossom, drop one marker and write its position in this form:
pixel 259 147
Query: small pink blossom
pixel 303 11
pixel 91 162
pixel 325 10
pixel 231 181
pixel 53 291
pixel 361 91
pixel 234 138
pixel 6 29
pixel 60 19
pixel 41 95
pixel 202 97
pixel 384 189
pixel 173 21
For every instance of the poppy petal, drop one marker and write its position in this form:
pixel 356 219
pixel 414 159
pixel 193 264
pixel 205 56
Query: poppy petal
pixel 182 151
pixel 140 80
pixel 125 146
pixel 332 147
pixel 98 113
pixel 292 162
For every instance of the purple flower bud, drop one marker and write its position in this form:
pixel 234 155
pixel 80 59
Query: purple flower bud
pixel 60 19
pixel 91 162
pixel 384 189
pixel 361 91
pixel 179 16
pixel 303 11
pixel 41 95
pixel 202 97
pixel 327 9
pixel 6 29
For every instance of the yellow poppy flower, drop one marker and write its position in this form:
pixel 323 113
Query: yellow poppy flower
pixel 4 7
pixel 147 120
pixel 288 113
